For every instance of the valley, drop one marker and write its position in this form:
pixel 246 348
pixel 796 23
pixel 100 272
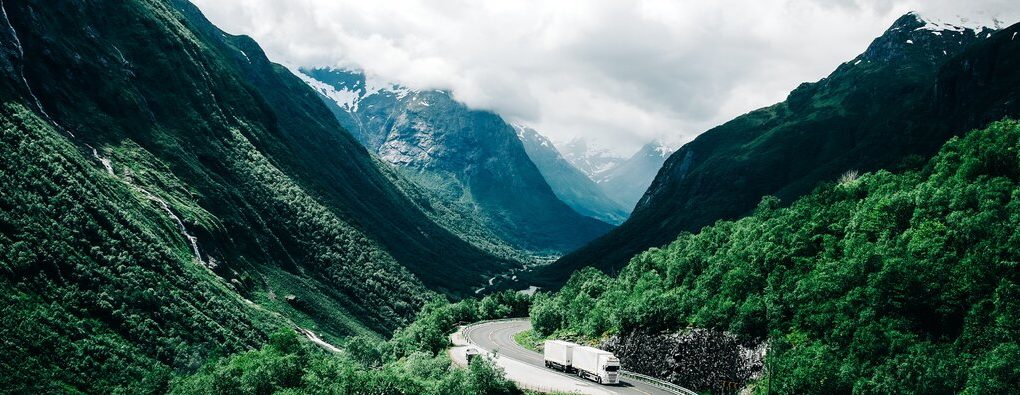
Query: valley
pixel 185 210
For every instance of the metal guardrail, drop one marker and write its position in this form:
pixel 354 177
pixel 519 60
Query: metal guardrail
pixel 658 383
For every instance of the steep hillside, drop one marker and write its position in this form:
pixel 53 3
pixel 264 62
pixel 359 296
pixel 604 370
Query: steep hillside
pixel 567 182
pixel 626 182
pixel 466 156
pixel 168 193
pixel 884 283
pixel 887 108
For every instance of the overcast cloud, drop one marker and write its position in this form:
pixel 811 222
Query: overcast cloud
pixel 620 73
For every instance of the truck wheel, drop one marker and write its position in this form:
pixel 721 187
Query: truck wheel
pixel 598 379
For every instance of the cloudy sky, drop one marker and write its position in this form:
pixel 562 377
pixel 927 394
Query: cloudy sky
pixel 619 73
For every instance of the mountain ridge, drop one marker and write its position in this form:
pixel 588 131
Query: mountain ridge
pixel 874 111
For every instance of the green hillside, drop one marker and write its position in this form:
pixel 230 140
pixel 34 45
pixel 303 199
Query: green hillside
pixel 889 108
pixel 882 283
pixel 167 194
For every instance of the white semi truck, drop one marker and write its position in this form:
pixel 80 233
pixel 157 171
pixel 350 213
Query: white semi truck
pixel 590 363
pixel 597 365
pixel 558 355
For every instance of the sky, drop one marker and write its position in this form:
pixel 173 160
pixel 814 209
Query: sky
pixel 617 73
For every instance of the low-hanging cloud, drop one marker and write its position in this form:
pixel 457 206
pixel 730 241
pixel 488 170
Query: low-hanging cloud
pixel 620 73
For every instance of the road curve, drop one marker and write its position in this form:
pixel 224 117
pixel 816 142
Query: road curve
pixel 498 337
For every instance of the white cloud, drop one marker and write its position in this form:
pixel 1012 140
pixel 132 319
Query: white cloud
pixel 618 72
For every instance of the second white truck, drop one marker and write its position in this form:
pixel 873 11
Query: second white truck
pixel 558 355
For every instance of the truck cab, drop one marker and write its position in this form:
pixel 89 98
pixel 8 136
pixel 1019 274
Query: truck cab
pixel 610 371
pixel 596 365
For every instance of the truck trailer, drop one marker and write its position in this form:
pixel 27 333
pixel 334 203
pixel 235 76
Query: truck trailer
pixel 558 355
pixel 597 365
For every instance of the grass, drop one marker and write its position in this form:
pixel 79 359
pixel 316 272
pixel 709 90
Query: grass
pixel 530 339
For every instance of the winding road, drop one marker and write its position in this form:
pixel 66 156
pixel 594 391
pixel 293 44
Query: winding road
pixel 527 367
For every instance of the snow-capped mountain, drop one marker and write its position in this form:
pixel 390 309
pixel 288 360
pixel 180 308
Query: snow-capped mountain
pixel 626 182
pixel 589 158
pixel 572 186
pixel 470 157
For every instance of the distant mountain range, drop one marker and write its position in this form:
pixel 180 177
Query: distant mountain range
pixel 622 179
pixel 570 184
pixel 589 158
pixel 916 86
pixel 628 180
pixel 468 157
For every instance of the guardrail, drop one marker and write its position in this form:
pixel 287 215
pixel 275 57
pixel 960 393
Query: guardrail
pixel 658 383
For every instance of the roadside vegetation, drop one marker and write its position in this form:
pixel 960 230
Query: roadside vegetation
pixel 529 339
pixel 881 283
pixel 414 361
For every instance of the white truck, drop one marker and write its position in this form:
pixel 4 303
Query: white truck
pixel 597 365
pixel 558 355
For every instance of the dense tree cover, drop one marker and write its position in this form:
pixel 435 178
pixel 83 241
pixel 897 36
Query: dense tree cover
pixel 291 366
pixel 101 292
pixel 883 283
pixel 414 361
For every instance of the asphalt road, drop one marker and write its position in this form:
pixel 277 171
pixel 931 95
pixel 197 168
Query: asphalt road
pixel 498 337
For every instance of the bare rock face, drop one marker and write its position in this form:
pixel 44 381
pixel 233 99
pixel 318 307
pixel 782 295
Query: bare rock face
pixel 698 359
pixel 472 157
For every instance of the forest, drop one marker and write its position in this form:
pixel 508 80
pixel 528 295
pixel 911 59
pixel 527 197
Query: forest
pixel 875 283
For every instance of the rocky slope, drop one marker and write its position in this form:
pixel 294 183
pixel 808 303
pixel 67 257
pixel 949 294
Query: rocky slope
pixel 914 87
pixel 469 157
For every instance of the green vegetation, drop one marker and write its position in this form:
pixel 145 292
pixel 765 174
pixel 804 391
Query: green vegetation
pixel 529 339
pixel 882 283
pixel 290 366
pixel 200 143
pixel 414 361
pixel 100 291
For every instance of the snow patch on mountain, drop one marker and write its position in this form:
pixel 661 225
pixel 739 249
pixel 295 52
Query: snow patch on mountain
pixel 959 24
pixel 345 98
pixel 593 160
pixel 526 133
pixel 348 97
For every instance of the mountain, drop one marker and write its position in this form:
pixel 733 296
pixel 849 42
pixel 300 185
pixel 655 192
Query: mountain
pixel 591 160
pixel 914 87
pixel 469 157
pixel 902 283
pixel 627 181
pixel 623 180
pixel 169 194
pixel 567 182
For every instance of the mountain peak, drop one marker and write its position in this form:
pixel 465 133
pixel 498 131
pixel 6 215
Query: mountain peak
pixel 347 87
pixel 957 23
pixel 914 38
